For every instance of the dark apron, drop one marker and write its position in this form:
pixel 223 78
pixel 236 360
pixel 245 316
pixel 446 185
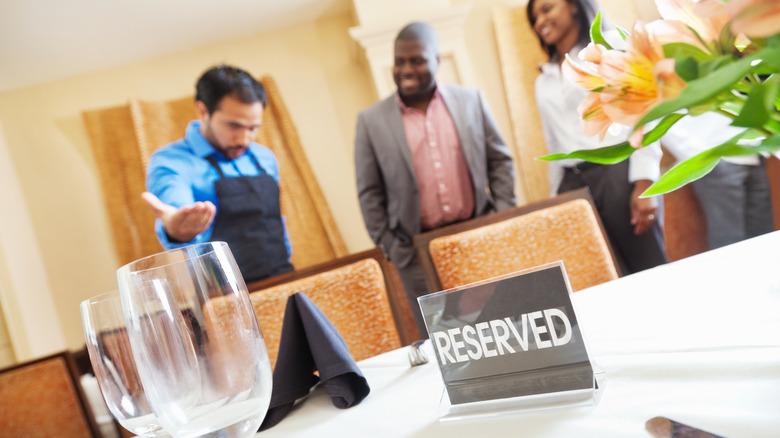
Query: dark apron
pixel 250 221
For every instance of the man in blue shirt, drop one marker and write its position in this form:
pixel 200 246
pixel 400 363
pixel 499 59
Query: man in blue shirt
pixel 217 183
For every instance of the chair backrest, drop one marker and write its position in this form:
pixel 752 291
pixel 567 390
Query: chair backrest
pixel 43 398
pixel 361 294
pixel 566 227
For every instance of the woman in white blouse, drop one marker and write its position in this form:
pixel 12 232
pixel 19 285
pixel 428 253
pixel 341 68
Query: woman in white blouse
pixel 632 223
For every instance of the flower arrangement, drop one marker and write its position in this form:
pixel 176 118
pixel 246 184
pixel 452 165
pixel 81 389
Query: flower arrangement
pixel 710 55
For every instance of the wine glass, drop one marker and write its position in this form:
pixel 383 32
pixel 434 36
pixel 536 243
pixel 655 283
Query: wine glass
pixel 196 341
pixel 112 361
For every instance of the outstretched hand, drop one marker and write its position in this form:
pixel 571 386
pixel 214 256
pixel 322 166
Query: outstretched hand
pixel 182 224
pixel 644 211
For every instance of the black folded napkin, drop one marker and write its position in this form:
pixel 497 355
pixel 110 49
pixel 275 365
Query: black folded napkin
pixel 310 343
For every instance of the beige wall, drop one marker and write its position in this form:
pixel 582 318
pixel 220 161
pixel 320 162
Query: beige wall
pixel 323 85
pixel 59 224
pixel 30 325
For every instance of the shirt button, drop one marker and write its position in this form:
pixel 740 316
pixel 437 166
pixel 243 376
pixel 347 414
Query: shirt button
pixel 437 164
pixel 433 144
pixel 446 208
pixel 442 186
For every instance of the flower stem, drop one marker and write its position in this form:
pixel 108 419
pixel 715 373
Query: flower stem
pixel 766 132
pixel 725 113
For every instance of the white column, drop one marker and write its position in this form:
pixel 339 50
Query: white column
pixel 380 22
pixel 30 314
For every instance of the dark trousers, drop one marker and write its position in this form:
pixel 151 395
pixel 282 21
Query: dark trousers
pixel 611 192
pixel 736 201
pixel 413 279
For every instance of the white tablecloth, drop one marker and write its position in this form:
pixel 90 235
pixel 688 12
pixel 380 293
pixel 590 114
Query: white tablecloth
pixel 697 341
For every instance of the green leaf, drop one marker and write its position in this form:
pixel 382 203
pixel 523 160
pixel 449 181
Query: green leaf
pixel 619 152
pixel 710 65
pixel 704 88
pixel 773 41
pixel 701 40
pixel 696 167
pixel 686 68
pixel 660 129
pixel 773 126
pixel 684 50
pixel 732 149
pixel 759 105
pixel 726 39
pixel 705 107
pixel 733 107
pixel 624 34
pixel 770 56
pixel 765 69
pixel 595 32
pixel 686 172
pixel 604 155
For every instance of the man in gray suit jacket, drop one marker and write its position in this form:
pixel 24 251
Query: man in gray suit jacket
pixel 428 156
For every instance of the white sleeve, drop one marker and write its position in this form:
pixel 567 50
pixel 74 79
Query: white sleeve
pixel 645 163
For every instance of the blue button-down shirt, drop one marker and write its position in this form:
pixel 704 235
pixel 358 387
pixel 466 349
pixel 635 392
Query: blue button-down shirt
pixel 180 175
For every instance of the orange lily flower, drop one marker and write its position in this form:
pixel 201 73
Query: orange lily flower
pixel 672 31
pixel 586 76
pixel 706 17
pixel 754 18
pixel 628 83
pixel 595 119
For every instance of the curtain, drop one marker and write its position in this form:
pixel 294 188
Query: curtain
pixel 123 138
pixel 520 56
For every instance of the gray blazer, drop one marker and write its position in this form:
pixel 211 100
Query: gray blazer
pixel 387 188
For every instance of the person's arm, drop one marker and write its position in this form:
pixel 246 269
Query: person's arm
pixel 500 168
pixel 180 219
pixel 181 225
pixel 643 170
pixel 372 194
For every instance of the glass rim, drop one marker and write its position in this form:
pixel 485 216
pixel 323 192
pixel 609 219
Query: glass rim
pixel 127 268
pixel 100 297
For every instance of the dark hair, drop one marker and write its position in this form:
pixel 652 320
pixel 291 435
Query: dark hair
pixel 585 13
pixel 420 31
pixel 224 80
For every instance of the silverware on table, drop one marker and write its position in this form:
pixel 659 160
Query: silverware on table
pixel 416 355
pixel 662 427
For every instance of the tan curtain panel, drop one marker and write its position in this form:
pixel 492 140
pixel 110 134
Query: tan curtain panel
pixel 520 56
pixel 123 138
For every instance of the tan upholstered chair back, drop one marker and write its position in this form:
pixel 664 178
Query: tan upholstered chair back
pixel 123 138
pixel 357 293
pixel 564 228
pixel 43 398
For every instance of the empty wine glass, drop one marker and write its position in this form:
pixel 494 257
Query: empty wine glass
pixel 112 361
pixel 196 341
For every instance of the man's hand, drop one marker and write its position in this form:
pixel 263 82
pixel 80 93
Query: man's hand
pixel 644 211
pixel 182 224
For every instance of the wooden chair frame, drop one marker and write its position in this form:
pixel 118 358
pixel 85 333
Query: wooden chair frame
pixel 421 241
pixel 399 305
pixel 74 375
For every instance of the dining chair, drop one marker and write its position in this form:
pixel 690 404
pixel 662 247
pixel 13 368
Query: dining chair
pixel 566 227
pixel 361 294
pixel 43 398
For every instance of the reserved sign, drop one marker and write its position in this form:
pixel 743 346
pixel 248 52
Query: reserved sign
pixel 512 336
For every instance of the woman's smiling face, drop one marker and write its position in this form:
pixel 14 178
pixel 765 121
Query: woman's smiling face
pixel 554 20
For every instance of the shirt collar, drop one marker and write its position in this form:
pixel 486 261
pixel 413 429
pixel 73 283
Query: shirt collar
pixel 200 146
pixel 404 108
